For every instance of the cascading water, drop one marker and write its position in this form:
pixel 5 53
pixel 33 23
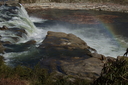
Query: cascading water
pixel 95 36
pixel 17 17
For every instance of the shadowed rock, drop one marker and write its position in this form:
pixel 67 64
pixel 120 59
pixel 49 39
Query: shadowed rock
pixel 71 56
pixel 62 44
pixel 3 28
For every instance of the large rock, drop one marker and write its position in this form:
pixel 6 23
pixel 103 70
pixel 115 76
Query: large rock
pixel 71 56
pixel 62 44
pixel 75 67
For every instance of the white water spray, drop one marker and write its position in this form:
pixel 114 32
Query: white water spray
pixel 17 17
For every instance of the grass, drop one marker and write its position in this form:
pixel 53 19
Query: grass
pixel 22 75
pixel 114 73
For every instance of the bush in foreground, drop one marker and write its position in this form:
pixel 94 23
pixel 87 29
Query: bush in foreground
pixel 22 75
pixel 114 73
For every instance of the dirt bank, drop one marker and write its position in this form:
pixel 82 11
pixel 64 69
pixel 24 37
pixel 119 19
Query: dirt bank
pixel 74 6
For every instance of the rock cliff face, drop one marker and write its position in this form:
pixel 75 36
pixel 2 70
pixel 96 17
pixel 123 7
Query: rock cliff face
pixel 74 1
pixel 67 1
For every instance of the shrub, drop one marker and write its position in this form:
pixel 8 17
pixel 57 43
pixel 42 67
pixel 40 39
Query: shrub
pixel 23 75
pixel 114 73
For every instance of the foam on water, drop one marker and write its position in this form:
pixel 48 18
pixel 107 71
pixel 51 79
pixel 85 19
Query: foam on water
pixel 94 38
pixel 35 19
pixel 17 17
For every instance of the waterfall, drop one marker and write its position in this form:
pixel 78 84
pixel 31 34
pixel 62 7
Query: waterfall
pixel 20 30
pixel 16 17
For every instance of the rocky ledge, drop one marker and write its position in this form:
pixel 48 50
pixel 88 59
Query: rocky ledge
pixel 64 54
pixel 76 6
pixel 68 55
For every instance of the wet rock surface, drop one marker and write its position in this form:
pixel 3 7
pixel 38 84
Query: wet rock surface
pixel 8 32
pixel 62 44
pixel 63 58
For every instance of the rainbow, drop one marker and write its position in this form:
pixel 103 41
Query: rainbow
pixel 109 29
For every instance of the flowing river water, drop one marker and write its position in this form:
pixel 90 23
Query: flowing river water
pixel 104 31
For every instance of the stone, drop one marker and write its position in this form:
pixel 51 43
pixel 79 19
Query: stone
pixel 71 56
pixel 3 28
pixel 82 68
pixel 62 44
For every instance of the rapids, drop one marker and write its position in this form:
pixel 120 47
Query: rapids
pixel 16 17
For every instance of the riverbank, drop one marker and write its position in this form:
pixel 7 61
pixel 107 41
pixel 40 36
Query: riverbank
pixel 78 6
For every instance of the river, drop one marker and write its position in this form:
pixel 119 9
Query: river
pixel 104 31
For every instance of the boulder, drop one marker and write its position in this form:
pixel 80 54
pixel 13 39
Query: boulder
pixel 62 44
pixel 3 28
pixel 71 56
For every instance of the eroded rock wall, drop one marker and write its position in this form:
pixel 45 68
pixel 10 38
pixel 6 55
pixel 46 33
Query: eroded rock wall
pixel 75 1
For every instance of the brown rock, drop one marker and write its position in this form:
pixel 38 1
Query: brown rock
pixel 3 28
pixel 89 69
pixel 31 42
pixel 76 58
pixel 60 44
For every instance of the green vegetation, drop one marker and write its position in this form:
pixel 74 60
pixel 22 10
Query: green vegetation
pixel 114 73
pixel 22 75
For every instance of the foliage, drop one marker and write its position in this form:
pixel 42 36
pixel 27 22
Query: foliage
pixel 114 73
pixel 22 75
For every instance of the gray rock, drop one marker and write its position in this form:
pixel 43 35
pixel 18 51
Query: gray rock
pixel 71 56
pixel 62 44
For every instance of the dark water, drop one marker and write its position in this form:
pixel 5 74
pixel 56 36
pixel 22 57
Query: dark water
pixel 118 22
pixel 104 31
